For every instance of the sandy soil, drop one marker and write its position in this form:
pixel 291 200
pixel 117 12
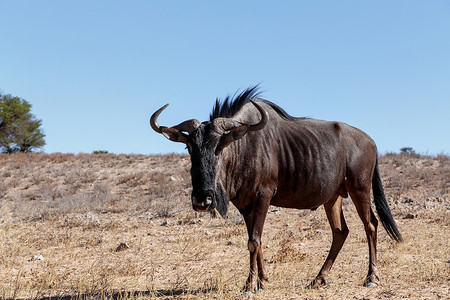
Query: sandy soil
pixel 121 227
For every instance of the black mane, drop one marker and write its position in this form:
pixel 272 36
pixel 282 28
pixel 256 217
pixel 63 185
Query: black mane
pixel 283 114
pixel 231 105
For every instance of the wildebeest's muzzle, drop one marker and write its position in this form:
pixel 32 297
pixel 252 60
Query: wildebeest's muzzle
pixel 203 201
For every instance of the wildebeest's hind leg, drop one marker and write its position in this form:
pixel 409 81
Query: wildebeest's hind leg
pixel 361 198
pixel 339 229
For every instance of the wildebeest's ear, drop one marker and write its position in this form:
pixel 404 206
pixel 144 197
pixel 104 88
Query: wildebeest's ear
pixel 222 125
pixel 228 138
pixel 174 134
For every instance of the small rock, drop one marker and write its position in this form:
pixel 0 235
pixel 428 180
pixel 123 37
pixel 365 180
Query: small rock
pixel 274 212
pixel 171 178
pixel 409 216
pixel 303 213
pixel 122 247
pixel 408 200
pixel 36 257
pixel 268 261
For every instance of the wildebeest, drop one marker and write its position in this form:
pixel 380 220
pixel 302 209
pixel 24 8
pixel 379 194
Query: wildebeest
pixel 254 154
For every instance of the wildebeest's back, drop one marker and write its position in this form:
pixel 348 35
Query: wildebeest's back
pixel 304 160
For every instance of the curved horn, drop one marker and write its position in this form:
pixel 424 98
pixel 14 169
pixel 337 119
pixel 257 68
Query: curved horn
pixel 154 118
pixel 264 118
pixel 221 125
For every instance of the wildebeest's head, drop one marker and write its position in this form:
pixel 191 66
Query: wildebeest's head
pixel 205 143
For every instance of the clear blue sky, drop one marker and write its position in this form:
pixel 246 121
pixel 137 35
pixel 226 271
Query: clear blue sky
pixel 95 71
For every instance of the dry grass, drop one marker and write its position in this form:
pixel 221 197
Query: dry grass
pixel 63 216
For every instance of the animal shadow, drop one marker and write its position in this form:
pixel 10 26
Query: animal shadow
pixel 159 294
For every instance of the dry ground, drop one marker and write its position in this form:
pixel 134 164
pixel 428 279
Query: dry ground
pixel 121 226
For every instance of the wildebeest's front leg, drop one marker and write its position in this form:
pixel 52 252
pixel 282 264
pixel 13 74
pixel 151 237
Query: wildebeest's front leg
pixel 255 223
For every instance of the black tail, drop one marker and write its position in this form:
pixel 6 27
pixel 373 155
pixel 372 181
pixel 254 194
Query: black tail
pixel 384 213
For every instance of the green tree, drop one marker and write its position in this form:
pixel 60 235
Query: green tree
pixel 20 131
pixel 407 150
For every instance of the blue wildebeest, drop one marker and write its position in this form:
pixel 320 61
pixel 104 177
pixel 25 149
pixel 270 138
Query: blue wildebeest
pixel 254 154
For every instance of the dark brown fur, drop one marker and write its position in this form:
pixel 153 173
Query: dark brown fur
pixel 290 162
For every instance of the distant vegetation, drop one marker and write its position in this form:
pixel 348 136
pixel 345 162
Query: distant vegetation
pixel 20 130
pixel 407 150
pixel 100 152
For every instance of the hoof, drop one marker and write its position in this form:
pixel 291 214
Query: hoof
pixel 249 294
pixel 370 284
pixel 261 285
pixel 371 281
pixel 316 283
